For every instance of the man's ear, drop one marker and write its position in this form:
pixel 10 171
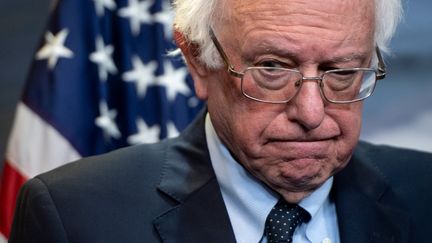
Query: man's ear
pixel 197 69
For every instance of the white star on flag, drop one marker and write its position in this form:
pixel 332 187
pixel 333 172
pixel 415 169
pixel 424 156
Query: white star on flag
pixel 166 18
pixel 106 121
pixel 101 4
pixel 172 130
pixel 145 134
pixel 174 81
pixel 138 13
pixel 103 58
pixel 54 48
pixel 141 74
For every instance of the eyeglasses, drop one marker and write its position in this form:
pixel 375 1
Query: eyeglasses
pixel 278 85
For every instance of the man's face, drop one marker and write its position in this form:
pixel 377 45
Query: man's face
pixel 295 147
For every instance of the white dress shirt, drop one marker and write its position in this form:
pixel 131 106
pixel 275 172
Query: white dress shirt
pixel 249 201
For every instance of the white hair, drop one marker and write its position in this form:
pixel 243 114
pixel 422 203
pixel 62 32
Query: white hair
pixel 195 17
pixel 388 14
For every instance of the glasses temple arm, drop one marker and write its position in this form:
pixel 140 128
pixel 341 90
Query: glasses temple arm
pixel 381 65
pixel 224 55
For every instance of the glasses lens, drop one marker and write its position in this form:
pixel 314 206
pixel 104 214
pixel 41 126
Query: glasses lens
pixel 270 84
pixel 348 85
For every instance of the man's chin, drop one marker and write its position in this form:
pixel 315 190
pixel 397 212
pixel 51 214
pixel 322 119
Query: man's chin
pixel 301 166
pixel 301 173
pixel 294 197
pixel 295 187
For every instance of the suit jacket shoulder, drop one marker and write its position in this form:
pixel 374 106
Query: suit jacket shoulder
pixel 96 196
pixel 383 196
pixel 164 192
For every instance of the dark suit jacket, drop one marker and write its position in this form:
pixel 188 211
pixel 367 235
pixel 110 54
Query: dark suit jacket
pixel 167 192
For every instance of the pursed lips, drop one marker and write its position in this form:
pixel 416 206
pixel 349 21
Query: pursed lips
pixel 302 139
pixel 311 147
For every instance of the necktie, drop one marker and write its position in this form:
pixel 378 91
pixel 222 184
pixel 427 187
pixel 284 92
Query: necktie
pixel 283 220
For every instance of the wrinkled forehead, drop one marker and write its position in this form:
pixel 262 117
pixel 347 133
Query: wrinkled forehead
pixel 335 8
pixel 349 15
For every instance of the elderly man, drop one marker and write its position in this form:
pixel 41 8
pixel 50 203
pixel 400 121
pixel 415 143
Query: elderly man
pixel 275 156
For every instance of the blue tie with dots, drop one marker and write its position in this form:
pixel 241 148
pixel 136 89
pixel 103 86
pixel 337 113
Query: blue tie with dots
pixel 282 221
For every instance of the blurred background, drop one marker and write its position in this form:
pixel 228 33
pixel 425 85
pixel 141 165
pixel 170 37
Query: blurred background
pixel 399 113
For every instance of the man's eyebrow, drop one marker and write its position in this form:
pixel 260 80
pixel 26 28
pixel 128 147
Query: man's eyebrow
pixel 358 57
pixel 267 47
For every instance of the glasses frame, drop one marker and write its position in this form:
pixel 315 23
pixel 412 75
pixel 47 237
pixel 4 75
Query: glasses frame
pixel 380 73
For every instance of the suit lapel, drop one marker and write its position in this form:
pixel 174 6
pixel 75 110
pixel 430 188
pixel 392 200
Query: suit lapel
pixel 360 194
pixel 201 218
pixel 199 214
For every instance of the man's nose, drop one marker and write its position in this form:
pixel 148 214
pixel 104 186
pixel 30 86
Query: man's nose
pixel 307 107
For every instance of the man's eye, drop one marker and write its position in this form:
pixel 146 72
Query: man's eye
pixel 271 64
pixel 346 73
pixel 331 68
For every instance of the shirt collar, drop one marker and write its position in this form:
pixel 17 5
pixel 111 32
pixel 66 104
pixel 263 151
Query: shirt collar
pixel 315 200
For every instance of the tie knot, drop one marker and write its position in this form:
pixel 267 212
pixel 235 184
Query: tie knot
pixel 282 221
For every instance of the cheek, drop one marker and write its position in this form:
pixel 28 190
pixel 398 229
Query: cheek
pixel 223 92
pixel 349 122
pixel 239 121
pixel 229 107
pixel 242 125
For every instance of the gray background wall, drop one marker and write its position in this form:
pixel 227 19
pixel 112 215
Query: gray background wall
pixel 21 25
pixel 399 113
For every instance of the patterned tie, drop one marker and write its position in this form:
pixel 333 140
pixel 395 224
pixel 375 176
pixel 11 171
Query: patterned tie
pixel 282 221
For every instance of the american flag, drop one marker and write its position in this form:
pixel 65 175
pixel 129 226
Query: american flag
pixel 101 79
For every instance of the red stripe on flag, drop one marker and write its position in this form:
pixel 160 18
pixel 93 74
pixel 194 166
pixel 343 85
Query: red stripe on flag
pixel 11 182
